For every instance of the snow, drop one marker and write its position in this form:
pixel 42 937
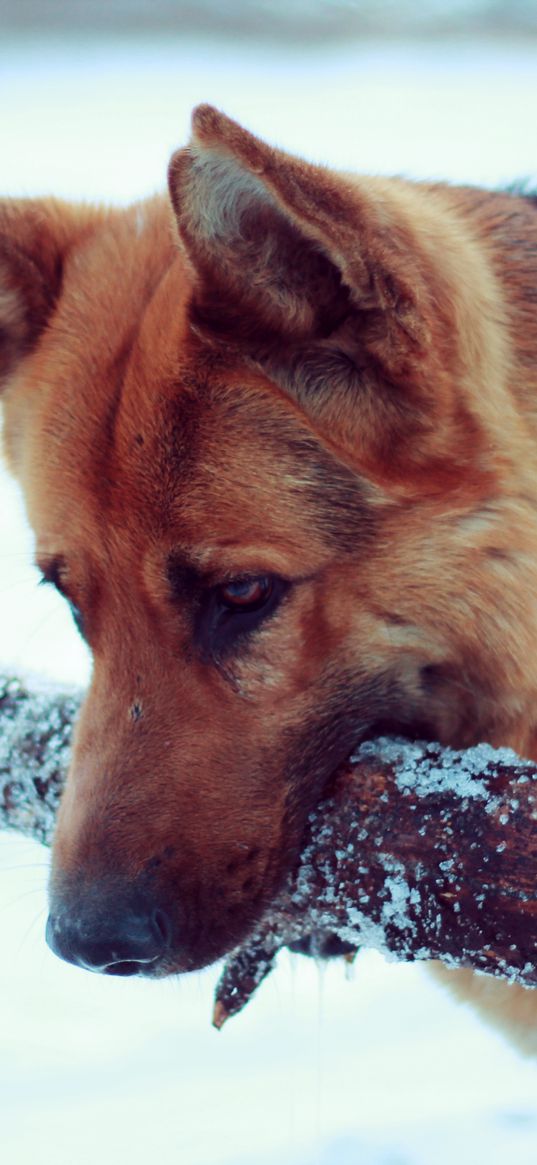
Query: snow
pixel 456 774
pixel 383 1070
pixel 34 753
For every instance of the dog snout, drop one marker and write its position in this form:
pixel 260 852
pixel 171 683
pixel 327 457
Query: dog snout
pixel 113 940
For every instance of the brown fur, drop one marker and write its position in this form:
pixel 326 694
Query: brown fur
pixel 315 376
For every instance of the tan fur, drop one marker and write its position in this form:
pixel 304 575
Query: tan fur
pixel 325 379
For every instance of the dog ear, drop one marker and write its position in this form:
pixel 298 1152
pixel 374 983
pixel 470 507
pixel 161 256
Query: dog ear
pixel 321 278
pixel 35 236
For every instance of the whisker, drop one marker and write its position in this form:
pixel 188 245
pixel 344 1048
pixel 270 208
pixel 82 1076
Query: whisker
pixel 43 622
pixel 24 866
pixel 29 929
pixel 21 897
pixel 18 583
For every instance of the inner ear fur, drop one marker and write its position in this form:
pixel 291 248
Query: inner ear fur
pixel 35 238
pixel 323 279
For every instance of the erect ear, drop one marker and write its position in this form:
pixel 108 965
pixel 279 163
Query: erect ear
pixel 321 278
pixel 35 237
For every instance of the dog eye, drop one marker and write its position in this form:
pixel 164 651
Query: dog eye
pixel 52 579
pixel 246 594
pixel 234 610
pixel 78 618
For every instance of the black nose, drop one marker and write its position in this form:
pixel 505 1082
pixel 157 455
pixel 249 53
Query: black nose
pixel 132 942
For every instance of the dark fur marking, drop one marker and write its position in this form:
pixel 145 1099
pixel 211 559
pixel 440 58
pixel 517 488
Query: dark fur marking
pixel 186 581
pixel 358 708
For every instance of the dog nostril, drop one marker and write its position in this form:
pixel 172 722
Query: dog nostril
pixel 161 927
pixel 132 944
pixel 127 967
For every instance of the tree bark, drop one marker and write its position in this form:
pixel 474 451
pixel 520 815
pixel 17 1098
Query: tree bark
pixel 419 851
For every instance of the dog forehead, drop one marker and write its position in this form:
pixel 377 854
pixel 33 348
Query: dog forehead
pixel 198 454
pixel 220 453
pixel 211 458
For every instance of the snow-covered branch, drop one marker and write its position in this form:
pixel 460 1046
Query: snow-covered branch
pixel 35 733
pixel 419 851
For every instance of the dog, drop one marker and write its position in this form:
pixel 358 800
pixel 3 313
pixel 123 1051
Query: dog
pixel 277 438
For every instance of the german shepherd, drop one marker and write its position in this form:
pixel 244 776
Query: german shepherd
pixel 277 437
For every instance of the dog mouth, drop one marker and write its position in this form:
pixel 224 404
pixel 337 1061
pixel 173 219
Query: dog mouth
pixel 163 944
pixel 412 729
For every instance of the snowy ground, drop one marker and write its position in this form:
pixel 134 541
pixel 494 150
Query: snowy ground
pixel 383 1070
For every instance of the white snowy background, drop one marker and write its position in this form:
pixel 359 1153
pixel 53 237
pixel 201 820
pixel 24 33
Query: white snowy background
pixel 380 1070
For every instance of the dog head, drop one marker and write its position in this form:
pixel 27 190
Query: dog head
pixel 253 436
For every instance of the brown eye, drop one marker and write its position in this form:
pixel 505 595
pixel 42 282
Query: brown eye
pixel 235 610
pixel 246 594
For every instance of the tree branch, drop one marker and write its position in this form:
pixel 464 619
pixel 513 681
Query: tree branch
pixel 35 734
pixel 420 852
